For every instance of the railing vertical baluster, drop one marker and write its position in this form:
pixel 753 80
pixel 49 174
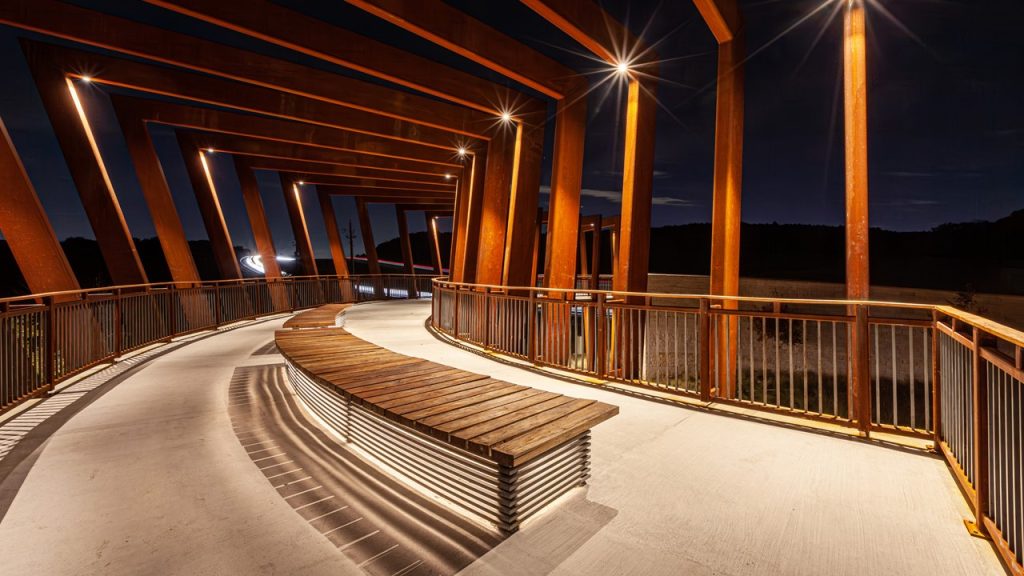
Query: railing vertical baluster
pixel 600 348
pixel 51 344
pixel 936 384
pixel 216 306
pixel 861 377
pixel 531 328
pixel 118 331
pixel 487 318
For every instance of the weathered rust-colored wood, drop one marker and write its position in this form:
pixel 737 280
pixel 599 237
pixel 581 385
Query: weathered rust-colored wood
pixel 858 286
pixel 385 194
pixel 70 122
pixel 371 184
pixel 430 219
pixel 630 273
pixel 322 317
pixel 494 210
pixel 27 229
pixel 300 230
pixel 312 170
pixel 506 423
pixel 465 229
pixel 520 265
pixel 721 16
pixel 201 178
pixel 257 218
pixel 564 202
pixel 122 35
pixel 366 227
pixel 333 234
pixel 162 211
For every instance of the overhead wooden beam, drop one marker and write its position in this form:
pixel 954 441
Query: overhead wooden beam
pixel 721 16
pixel 205 191
pixel 257 219
pixel 333 234
pixel 26 228
pixel 70 122
pixel 285 131
pixel 278 25
pixel 340 190
pixel 366 228
pixel 858 284
pixel 439 189
pixel 591 26
pixel 122 35
pixel 310 170
pixel 218 91
pixel 300 230
pixel 403 239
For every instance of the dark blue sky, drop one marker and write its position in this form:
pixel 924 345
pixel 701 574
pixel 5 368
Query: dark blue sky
pixel 946 126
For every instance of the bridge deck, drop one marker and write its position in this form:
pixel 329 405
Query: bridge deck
pixel 507 423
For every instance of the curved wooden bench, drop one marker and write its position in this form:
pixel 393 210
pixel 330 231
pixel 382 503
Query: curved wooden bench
pixel 500 450
pixel 322 317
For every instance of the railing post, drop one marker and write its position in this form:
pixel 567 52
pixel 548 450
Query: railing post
pixel 601 348
pixel 705 350
pixel 51 344
pixel 291 292
pixel 455 315
pixel 216 305
pixel 861 389
pixel 118 332
pixel 172 320
pixel 531 327
pixel 980 424
pixel 936 391
pixel 487 318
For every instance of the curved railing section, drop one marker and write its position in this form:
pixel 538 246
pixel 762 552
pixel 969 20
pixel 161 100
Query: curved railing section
pixel 47 338
pixel 915 370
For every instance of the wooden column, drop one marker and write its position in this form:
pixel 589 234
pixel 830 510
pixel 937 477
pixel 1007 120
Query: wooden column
pixel 74 134
pixel 297 217
pixel 200 176
pixel 26 228
pixel 366 228
pixel 333 234
pixel 856 99
pixel 564 203
pixel 466 230
pixel 519 268
pixel 431 221
pixel 257 218
pixel 403 239
pixel 726 213
pixel 634 231
pixel 494 205
pixel 162 210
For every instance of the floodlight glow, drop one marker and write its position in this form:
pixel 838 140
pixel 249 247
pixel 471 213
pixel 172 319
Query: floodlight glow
pixel 86 79
pixel 209 150
pixel 462 151
pixel 622 68
pixel 506 117
pixel 447 176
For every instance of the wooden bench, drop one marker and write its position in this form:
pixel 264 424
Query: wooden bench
pixel 499 450
pixel 322 317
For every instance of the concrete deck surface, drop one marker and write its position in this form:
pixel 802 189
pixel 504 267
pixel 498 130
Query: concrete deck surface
pixel 151 479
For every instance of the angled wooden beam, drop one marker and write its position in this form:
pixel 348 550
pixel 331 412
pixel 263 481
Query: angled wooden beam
pixel 209 207
pixel 277 130
pixel 70 122
pixel 466 235
pixel 366 228
pixel 300 230
pixel 26 228
pixel 385 193
pixel 430 219
pixel 493 211
pixel 275 24
pixel 122 35
pixel 163 212
pixel 453 29
pixel 438 189
pixel 403 239
pixel 333 234
pixel 721 16
pixel 218 91
pixel 519 263
pixel 258 219
pixel 591 26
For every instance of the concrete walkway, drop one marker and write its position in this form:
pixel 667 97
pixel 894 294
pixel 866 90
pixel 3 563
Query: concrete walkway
pixel 679 491
pixel 152 479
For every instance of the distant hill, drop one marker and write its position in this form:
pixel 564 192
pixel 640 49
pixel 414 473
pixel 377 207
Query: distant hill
pixel 973 256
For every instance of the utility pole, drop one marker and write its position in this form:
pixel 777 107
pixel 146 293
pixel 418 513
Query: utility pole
pixel 351 235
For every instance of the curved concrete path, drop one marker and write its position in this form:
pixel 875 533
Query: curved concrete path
pixel 151 478
pixel 681 491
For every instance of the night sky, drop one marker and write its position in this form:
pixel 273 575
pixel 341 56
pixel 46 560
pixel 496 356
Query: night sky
pixel 946 123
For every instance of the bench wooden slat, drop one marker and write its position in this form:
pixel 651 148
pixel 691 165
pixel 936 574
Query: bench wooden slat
pixel 318 317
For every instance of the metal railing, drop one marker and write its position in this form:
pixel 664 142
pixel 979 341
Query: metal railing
pixel 930 372
pixel 47 338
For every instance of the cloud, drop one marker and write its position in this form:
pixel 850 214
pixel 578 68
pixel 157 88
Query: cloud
pixel 616 197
